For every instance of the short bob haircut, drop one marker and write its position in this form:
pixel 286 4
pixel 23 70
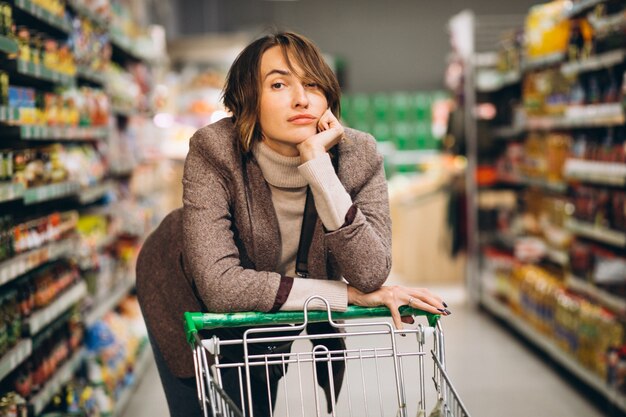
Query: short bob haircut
pixel 243 84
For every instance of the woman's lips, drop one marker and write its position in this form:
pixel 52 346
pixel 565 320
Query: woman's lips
pixel 303 119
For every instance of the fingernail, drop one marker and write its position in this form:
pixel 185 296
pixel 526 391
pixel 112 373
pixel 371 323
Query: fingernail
pixel 447 311
pixel 444 304
pixel 441 310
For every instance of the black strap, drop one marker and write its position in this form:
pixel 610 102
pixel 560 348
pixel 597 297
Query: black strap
pixel 308 225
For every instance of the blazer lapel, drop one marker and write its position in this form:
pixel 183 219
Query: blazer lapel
pixel 265 231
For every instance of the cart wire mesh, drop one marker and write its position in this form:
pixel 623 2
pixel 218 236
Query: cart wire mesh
pixel 383 368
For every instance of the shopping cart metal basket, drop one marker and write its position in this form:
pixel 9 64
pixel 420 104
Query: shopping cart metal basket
pixel 383 372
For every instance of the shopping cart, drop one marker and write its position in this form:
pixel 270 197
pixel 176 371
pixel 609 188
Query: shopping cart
pixel 381 378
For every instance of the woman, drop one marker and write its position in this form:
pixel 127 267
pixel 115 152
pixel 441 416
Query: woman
pixel 234 245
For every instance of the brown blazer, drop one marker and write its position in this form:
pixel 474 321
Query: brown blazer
pixel 219 252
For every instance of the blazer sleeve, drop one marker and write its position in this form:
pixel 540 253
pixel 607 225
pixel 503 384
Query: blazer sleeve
pixel 362 247
pixel 210 253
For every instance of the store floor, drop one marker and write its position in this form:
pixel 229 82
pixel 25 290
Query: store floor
pixel 495 373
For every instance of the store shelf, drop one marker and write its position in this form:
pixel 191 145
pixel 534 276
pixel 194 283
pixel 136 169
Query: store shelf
pixel 91 194
pixel 7 45
pixel 545 61
pixel 605 60
pixel 558 187
pixel 508 132
pixel 15 356
pixel 9 115
pixel 61 133
pixel 597 233
pixel 40 72
pixel 107 304
pixel 581 7
pixel 97 78
pixel 63 375
pixel 559 257
pixel 124 47
pixel 38 320
pixel 60 23
pixel 24 262
pixel 604 173
pixel 11 191
pixel 50 192
pixel 144 359
pixel 595 115
pixel 546 345
pixel 496 83
pixel 618 304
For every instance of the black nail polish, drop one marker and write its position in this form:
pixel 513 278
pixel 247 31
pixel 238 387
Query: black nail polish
pixel 444 304
pixel 447 311
pixel 441 309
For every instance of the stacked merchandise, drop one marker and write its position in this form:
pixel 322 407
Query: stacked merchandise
pixel 115 347
pixel 551 175
pixel 79 170
pixel 402 123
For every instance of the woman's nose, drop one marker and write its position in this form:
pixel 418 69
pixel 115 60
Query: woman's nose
pixel 300 97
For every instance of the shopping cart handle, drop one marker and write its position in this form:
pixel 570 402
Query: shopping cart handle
pixel 205 321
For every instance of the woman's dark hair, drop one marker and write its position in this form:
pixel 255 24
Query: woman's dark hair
pixel 243 84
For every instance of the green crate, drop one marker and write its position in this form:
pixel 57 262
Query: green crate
pixel 382 131
pixel 360 107
pixel 381 108
pixel 401 106
pixel 422 135
pixel 403 136
pixel 346 110
pixel 422 108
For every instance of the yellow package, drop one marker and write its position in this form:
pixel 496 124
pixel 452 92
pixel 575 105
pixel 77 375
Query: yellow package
pixel 546 29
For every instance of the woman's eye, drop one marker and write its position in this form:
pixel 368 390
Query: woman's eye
pixel 278 86
pixel 311 85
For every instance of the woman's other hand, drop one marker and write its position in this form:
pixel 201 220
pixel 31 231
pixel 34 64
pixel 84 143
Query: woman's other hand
pixel 330 132
pixel 395 296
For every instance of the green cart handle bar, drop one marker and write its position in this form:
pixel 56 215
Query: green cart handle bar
pixel 206 321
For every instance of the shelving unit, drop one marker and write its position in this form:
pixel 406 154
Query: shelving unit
pixel 54 385
pixel 500 145
pixel 7 45
pixel 605 60
pixel 44 16
pixel 94 193
pixel 86 74
pixel 143 361
pixel 109 302
pixel 600 234
pixel 68 195
pixel 27 261
pixel 50 192
pixel 15 356
pixel 10 192
pixel 60 133
pixel 39 72
pixel 602 173
pixel 577 284
pixel 38 320
pixel 501 311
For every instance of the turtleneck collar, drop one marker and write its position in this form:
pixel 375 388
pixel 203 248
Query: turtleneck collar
pixel 278 170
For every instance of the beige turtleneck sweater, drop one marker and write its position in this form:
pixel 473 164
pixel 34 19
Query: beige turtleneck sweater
pixel 288 180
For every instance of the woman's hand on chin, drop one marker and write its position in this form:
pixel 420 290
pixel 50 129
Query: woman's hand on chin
pixel 330 132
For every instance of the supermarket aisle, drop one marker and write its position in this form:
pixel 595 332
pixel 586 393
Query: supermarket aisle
pixel 495 374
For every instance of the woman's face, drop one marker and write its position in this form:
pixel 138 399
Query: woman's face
pixel 290 106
